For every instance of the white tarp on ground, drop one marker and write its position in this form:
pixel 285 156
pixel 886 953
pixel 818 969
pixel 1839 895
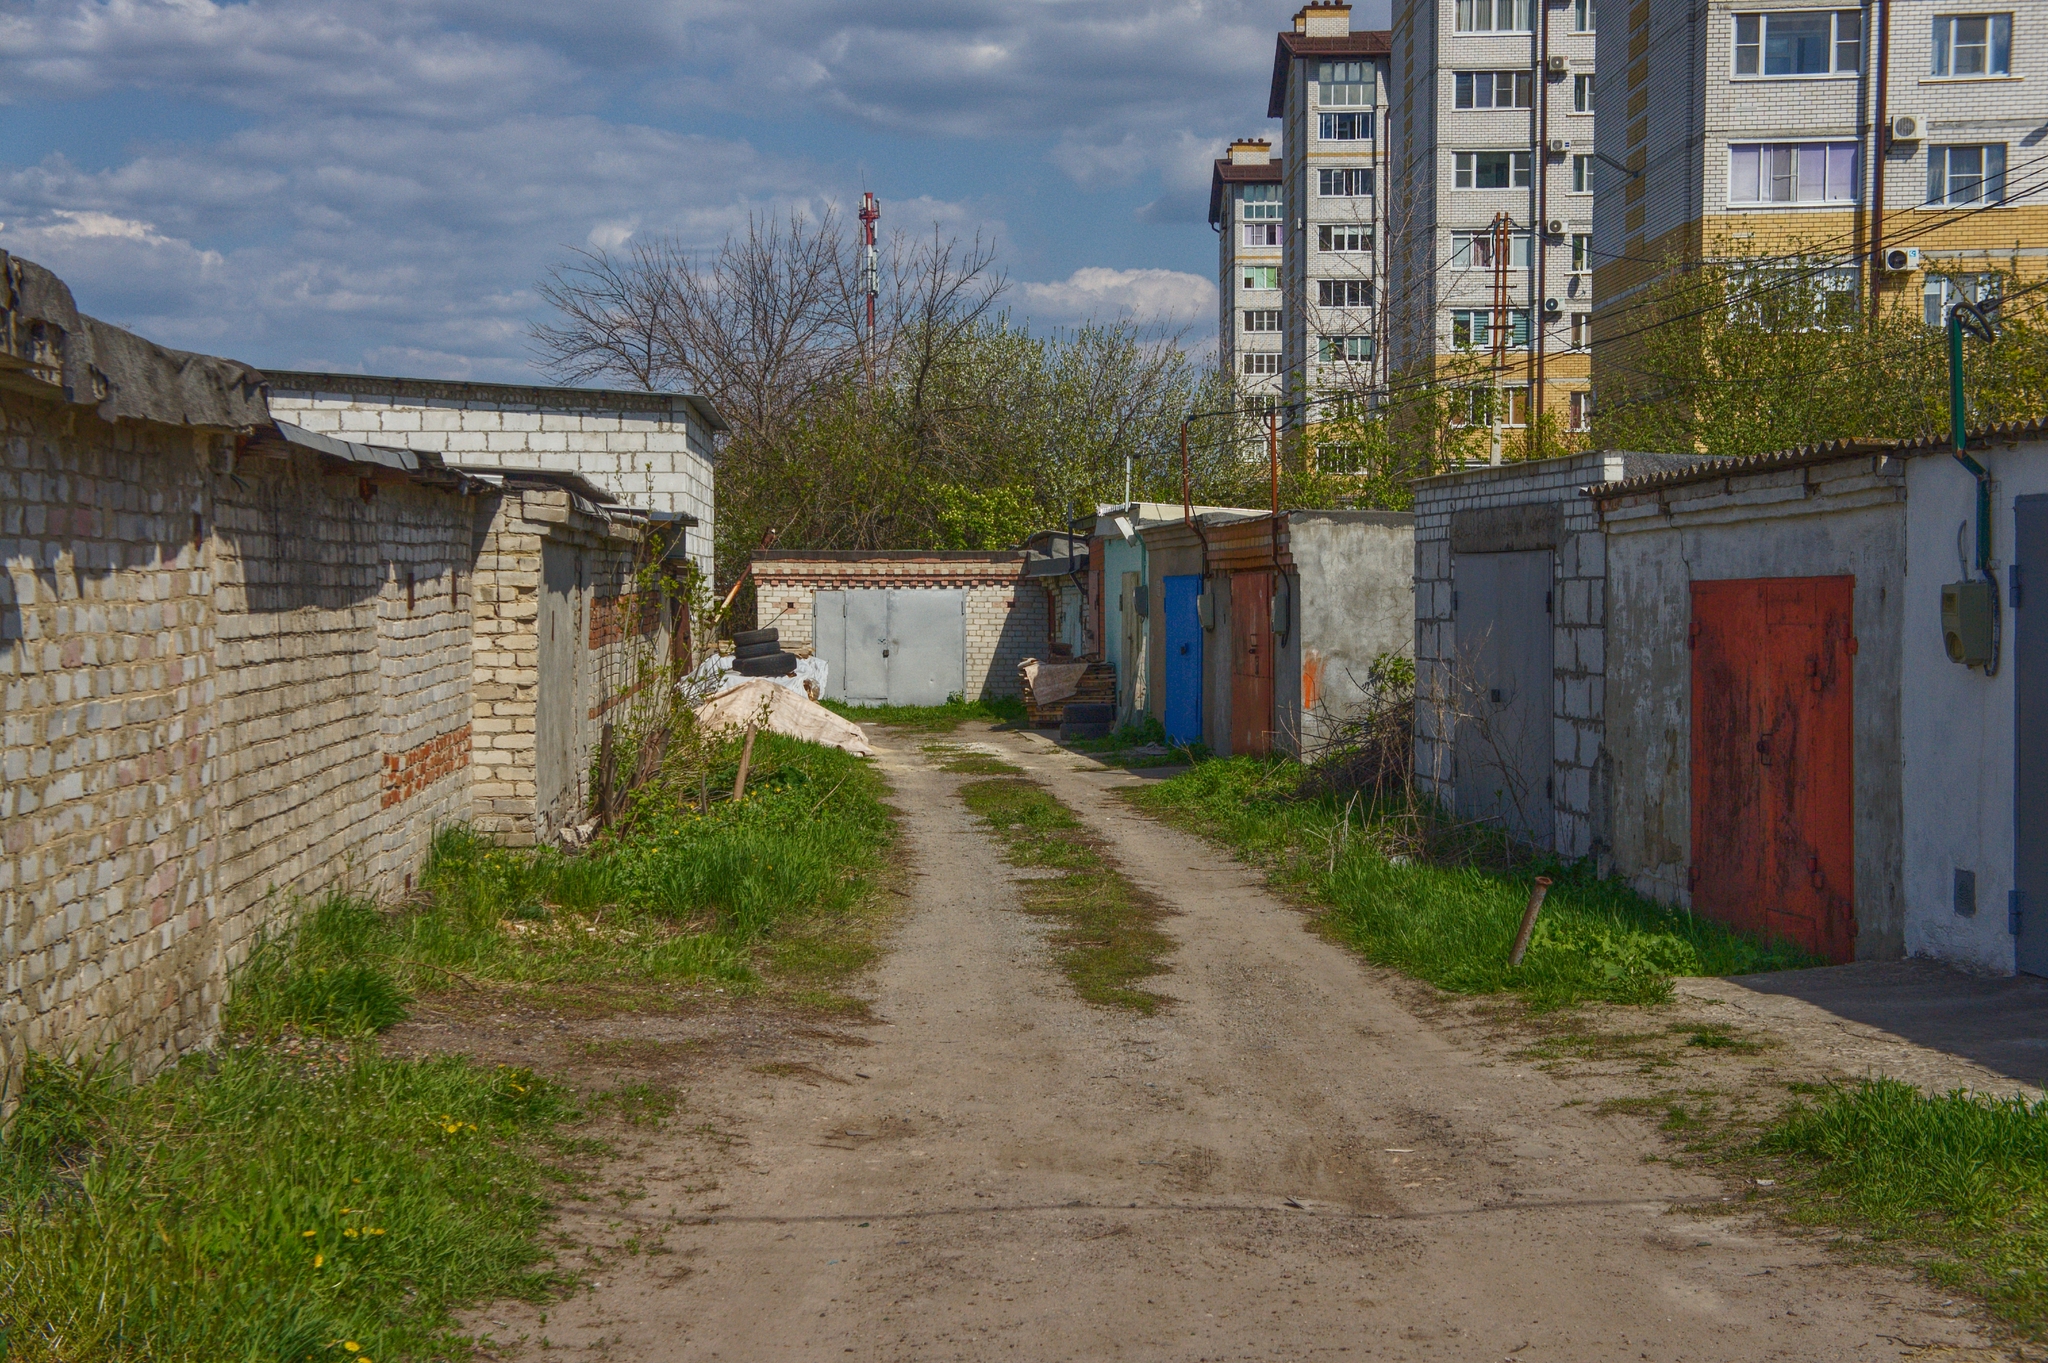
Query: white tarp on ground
pixel 761 702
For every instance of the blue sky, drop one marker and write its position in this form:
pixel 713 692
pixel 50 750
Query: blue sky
pixel 375 185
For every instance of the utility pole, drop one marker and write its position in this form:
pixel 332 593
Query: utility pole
pixel 1497 330
pixel 870 270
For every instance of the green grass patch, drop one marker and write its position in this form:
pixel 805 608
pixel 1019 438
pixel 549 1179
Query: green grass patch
pixel 968 763
pixel 248 1207
pixel 1449 914
pixel 1961 1175
pixel 294 1195
pixel 1109 939
pixel 782 879
pixel 937 719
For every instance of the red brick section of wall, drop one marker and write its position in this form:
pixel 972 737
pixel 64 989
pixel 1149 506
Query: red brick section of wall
pixel 407 774
pixel 613 618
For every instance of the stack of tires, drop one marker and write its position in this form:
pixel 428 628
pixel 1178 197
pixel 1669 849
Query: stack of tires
pixel 758 653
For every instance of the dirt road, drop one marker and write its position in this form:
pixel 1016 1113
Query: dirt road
pixel 1286 1164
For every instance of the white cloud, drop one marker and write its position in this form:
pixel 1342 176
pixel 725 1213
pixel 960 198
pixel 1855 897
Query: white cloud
pixel 1152 298
pixel 404 170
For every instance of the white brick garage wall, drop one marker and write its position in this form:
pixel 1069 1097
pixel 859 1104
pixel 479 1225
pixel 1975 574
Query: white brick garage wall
pixel 1006 616
pixel 652 450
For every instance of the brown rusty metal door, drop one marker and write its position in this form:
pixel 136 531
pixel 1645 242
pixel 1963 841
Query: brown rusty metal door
pixel 1251 663
pixel 1773 791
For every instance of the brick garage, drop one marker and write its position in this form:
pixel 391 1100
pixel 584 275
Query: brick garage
pixel 1512 508
pixel 241 668
pixel 1006 613
pixel 650 450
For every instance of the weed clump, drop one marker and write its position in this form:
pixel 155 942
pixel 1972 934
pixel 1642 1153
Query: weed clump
pixel 1962 1174
pixel 1411 890
pixel 240 1206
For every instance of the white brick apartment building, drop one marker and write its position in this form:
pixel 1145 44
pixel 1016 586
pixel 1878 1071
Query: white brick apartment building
pixel 1496 120
pixel 1750 129
pixel 1329 90
pixel 1246 212
pixel 650 450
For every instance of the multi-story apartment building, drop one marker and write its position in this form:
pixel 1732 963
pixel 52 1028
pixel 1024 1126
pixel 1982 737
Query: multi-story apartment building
pixel 1330 93
pixel 1901 139
pixel 1246 210
pixel 1492 218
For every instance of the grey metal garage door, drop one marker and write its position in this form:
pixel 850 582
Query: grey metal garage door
pixel 892 646
pixel 1502 609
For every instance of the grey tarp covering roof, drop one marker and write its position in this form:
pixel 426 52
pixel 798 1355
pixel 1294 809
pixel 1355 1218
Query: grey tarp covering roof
pixel 94 364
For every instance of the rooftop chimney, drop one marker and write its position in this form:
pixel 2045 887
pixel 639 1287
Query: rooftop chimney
pixel 1331 20
pixel 1251 151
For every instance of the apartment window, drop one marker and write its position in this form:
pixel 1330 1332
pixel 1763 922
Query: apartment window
pixel 1494 89
pixel 1582 94
pixel 1260 203
pixel 1582 174
pixel 1581 411
pixel 1493 16
pixel 1344 238
pixel 1343 349
pixel 1474 250
pixel 1474 327
pixel 1344 293
pixel 1345 458
pixel 1262 319
pixel 1339 84
pixel 1799 42
pixel 1344 127
pixel 1794 298
pixel 1478 407
pixel 1966 175
pixel 1490 169
pixel 1943 292
pixel 1792 172
pixel 1262 362
pixel 1582 16
pixel 1344 184
pixel 1261 276
pixel 1582 329
pixel 1973 44
pixel 1262 234
pixel 1582 253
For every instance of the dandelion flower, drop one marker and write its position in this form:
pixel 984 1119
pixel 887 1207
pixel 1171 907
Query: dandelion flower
pixel 319 1259
pixel 306 1235
pixel 351 1232
pixel 351 1346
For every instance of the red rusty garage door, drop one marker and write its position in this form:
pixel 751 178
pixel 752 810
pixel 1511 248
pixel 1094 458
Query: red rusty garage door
pixel 1773 803
pixel 1251 663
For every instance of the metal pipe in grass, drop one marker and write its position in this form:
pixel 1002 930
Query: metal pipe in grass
pixel 1536 893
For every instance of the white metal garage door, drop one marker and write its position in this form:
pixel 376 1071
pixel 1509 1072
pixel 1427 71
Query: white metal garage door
pixel 892 646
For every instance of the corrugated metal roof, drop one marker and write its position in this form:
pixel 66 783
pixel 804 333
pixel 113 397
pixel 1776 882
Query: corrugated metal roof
pixel 1713 469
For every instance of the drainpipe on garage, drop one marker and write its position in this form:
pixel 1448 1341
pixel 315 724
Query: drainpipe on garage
pixel 1964 315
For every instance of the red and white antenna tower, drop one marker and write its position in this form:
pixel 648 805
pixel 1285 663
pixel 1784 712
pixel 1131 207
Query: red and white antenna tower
pixel 870 271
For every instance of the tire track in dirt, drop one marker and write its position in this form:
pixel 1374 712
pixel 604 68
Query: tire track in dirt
pixel 1284 1164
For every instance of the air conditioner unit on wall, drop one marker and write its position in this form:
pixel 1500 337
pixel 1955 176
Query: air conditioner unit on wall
pixel 1902 258
pixel 1905 127
pixel 1557 66
pixel 1560 145
pixel 1555 227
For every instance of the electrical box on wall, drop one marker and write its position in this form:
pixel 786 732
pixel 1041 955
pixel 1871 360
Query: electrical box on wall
pixel 1966 622
pixel 1205 608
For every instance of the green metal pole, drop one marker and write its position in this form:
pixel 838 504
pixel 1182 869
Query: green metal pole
pixel 1955 382
pixel 1959 436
